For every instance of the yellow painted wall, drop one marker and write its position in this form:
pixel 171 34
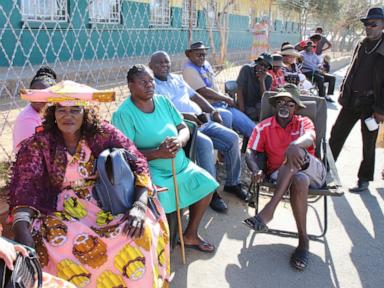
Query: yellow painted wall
pixel 254 8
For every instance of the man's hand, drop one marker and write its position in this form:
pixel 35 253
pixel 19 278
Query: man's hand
pixel 261 75
pixel 230 101
pixel 258 176
pixel 216 117
pixel 379 117
pixel 194 118
pixel 295 156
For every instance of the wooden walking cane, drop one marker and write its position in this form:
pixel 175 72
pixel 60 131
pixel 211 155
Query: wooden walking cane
pixel 178 211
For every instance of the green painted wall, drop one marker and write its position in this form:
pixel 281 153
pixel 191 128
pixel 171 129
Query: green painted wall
pixel 51 42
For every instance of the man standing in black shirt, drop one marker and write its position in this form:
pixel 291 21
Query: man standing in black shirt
pixel 362 96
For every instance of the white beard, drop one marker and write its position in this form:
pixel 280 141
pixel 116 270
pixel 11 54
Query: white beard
pixel 283 112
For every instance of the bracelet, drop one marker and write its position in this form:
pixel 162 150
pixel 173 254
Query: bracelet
pixel 140 205
pixel 21 216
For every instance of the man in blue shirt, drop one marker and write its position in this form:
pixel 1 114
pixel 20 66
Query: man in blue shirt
pixel 198 73
pixel 311 69
pixel 211 133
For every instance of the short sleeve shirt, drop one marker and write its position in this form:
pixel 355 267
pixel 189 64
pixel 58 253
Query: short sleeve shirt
pixel 25 125
pixel 320 45
pixel 250 85
pixel 193 78
pixel 270 138
pixel 179 92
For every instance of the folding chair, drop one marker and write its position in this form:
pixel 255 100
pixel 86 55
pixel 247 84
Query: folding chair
pixel 190 151
pixel 317 111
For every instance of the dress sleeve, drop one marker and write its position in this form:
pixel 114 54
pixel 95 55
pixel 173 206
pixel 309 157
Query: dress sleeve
pixel 120 121
pixel 138 163
pixel 27 186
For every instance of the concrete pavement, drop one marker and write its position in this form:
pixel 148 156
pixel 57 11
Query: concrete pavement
pixel 352 254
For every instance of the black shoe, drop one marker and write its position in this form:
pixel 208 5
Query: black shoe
pixel 239 192
pixel 329 99
pixel 362 186
pixel 218 204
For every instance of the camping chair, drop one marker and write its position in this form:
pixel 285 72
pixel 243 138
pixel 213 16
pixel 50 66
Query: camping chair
pixel 230 87
pixel 190 152
pixel 317 111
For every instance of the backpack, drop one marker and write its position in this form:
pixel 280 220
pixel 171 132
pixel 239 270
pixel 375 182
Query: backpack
pixel 114 189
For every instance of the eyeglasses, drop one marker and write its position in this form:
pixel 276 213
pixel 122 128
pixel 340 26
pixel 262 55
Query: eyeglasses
pixel 74 111
pixel 200 54
pixel 370 24
pixel 289 103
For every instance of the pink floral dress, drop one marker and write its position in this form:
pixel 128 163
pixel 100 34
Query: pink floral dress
pixel 84 245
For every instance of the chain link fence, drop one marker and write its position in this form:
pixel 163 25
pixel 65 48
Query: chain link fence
pixel 95 41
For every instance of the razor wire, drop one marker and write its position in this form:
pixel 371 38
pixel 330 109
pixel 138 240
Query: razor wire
pixel 94 42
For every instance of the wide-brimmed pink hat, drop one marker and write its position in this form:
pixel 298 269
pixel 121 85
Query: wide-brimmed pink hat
pixel 68 93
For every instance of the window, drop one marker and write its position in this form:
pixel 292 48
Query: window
pixel 44 10
pixel 186 11
pixel 104 11
pixel 160 13
pixel 212 12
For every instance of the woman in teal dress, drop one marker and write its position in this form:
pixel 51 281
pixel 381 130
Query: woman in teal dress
pixel 157 129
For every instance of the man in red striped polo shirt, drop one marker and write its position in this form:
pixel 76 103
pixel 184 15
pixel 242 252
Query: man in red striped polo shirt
pixel 287 142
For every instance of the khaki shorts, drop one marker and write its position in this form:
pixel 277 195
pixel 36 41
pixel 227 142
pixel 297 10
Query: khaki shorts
pixel 315 171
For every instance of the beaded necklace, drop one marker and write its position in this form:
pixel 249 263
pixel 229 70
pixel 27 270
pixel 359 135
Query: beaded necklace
pixel 79 157
pixel 374 47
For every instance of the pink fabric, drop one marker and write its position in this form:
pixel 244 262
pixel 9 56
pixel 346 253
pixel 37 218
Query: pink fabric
pixel 25 125
pixel 84 245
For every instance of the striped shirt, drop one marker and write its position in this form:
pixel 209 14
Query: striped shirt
pixel 270 138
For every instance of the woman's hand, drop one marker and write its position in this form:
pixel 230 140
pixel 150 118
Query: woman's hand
pixel 169 147
pixel 134 220
pixel 8 252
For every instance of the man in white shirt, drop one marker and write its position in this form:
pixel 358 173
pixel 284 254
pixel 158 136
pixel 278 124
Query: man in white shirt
pixel 192 106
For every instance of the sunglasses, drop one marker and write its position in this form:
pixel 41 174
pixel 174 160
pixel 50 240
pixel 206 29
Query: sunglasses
pixel 289 103
pixel 370 24
pixel 200 54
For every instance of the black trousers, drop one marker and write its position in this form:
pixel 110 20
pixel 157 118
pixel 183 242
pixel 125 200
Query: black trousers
pixel 344 123
pixel 320 79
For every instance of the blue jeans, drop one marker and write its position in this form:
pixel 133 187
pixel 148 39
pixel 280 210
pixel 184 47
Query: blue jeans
pixel 213 135
pixel 240 121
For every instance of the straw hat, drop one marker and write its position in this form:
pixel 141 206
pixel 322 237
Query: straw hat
pixel 68 93
pixel 289 50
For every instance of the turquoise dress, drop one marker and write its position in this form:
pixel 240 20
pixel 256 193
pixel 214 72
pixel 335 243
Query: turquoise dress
pixel 148 131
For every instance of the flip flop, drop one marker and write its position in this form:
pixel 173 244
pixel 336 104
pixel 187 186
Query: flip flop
pixel 299 259
pixel 203 246
pixel 256 223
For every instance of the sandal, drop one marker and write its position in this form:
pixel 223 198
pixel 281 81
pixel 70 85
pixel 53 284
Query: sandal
pixel 299 259
pixel 203 246
pixel 256 223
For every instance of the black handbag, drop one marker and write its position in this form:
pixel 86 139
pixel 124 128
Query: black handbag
pixel 27 271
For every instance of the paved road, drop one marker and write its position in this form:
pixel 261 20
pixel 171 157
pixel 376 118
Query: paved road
pixel 351 255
